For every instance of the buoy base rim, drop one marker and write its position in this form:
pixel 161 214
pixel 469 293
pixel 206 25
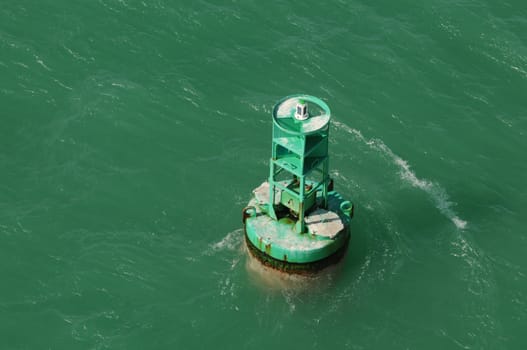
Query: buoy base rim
pixel 305 268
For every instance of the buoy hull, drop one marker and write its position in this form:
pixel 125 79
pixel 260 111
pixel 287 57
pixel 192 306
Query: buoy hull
pixel 276 243
pixel 306 268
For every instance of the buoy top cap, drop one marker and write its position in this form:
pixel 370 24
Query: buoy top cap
pixel 301 114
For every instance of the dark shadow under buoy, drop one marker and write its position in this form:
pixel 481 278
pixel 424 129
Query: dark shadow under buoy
pixel 270 279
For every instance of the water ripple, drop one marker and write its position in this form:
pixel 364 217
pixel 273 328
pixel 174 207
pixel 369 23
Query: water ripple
pixel 436 192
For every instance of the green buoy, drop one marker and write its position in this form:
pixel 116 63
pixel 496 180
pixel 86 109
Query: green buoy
pixel 295 222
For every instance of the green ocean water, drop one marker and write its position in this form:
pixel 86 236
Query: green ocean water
pixel 132 133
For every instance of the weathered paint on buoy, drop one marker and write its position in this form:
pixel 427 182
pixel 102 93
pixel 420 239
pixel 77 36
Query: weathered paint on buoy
pixel 295 221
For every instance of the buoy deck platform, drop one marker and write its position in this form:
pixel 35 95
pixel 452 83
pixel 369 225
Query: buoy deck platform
pixel 276 244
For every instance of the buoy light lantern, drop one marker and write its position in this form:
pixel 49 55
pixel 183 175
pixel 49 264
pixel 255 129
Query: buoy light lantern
pixel 301 110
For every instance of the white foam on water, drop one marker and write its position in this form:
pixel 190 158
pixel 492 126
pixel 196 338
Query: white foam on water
pixel 231 242
pixel 477 272
pixel 436 193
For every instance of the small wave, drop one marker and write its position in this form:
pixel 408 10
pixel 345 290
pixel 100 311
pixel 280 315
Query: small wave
pixel 231 242
pixel 436 193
